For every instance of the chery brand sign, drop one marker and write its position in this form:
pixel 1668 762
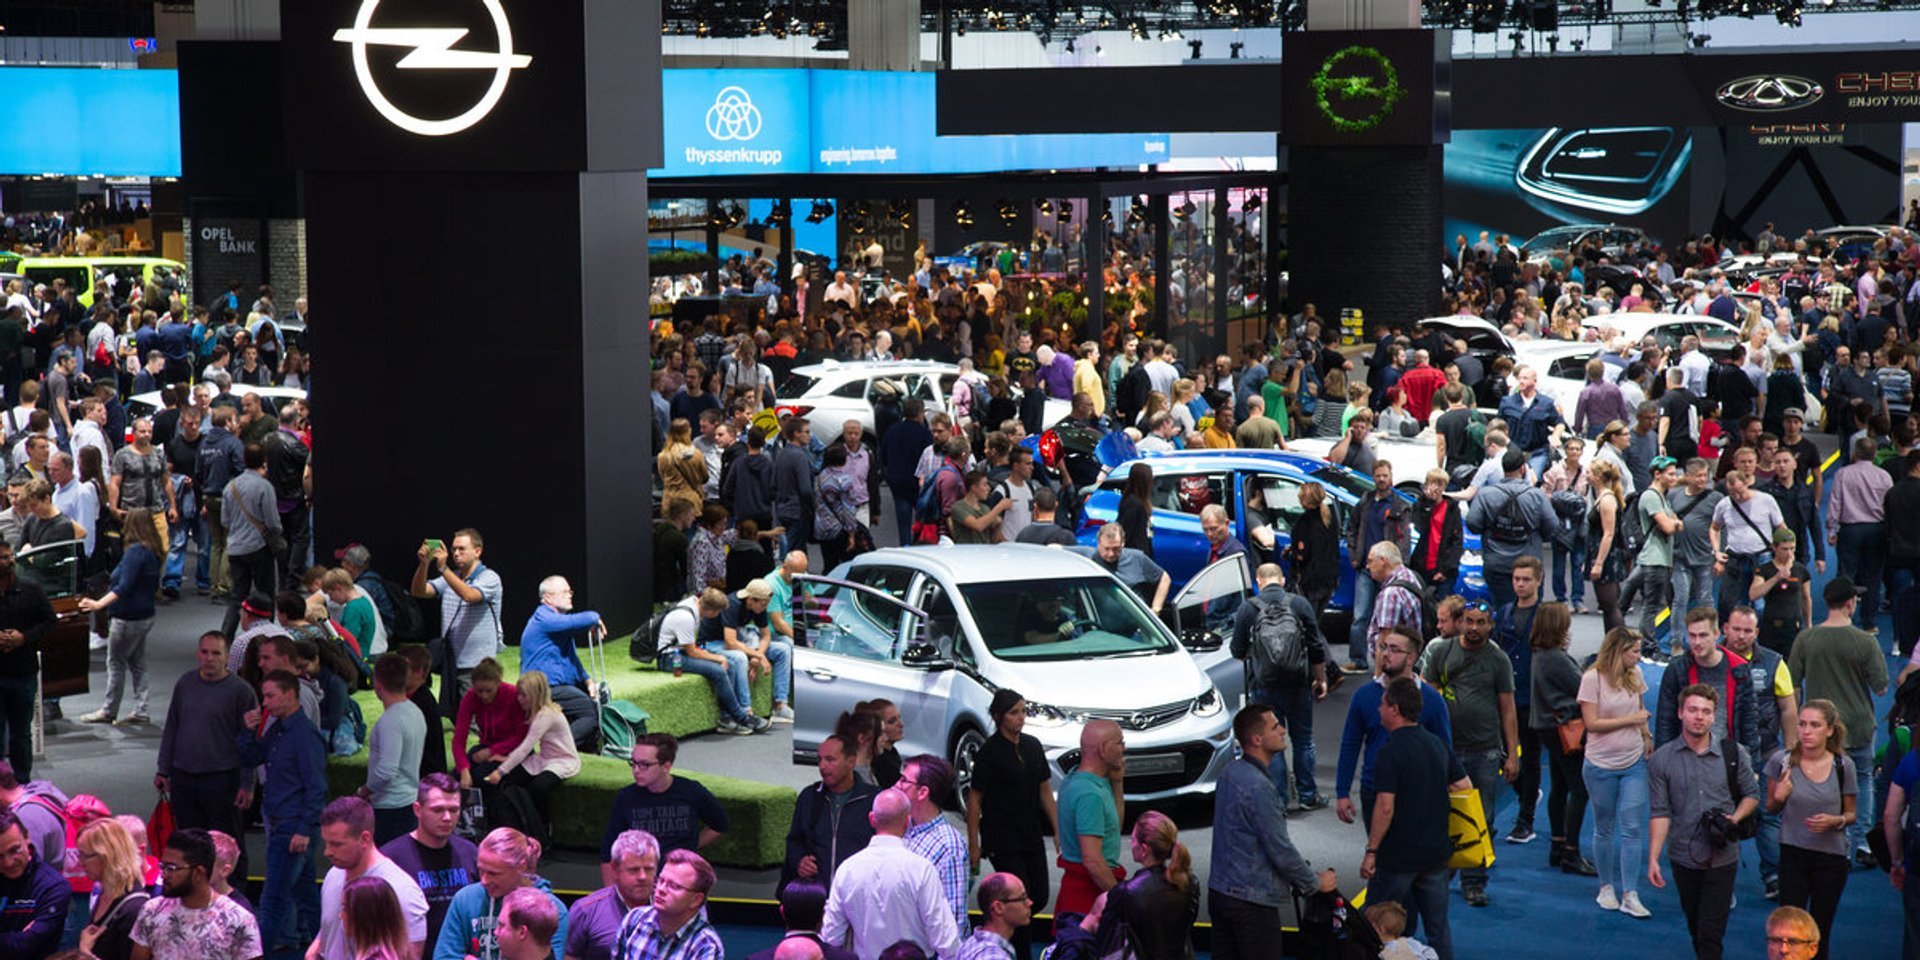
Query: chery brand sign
pixel 1769 93
pixel 433 49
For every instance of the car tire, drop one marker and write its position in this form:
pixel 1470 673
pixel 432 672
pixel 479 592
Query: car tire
pixel 965 749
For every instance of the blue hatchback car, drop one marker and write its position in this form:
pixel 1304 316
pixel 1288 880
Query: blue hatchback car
pixel 1186 482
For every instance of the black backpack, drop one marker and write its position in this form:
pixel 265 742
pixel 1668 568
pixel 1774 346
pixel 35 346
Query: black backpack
pixel 1510 524
pixel 1429 608
pixel 1277 650
pixel 409 624
pixel 647 643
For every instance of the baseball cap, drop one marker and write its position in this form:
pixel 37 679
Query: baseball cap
pixel 1662 462
pixel 1840 590
pixel 1794 413
pixel 1784 535
pixel 756 589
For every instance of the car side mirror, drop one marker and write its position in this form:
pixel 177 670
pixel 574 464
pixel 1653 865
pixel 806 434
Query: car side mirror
pixel 1200 641
pixel 926 656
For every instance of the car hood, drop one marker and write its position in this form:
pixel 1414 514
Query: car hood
pixel 1105 684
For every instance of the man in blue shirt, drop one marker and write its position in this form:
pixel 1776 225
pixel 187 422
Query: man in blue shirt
pixel 291 748
pixel 1395 652
pixel 547 645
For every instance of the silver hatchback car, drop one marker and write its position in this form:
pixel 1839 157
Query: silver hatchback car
pixel 937 630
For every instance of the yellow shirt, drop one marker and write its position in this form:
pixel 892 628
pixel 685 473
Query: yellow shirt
pixel 1086 380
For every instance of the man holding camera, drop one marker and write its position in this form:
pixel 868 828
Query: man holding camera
pixel 1705 801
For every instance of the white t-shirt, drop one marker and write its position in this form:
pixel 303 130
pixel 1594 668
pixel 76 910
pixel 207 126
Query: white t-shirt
pixel 1020 515
pixel 413 904
pixel 679 630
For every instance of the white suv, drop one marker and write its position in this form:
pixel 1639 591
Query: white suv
pixel 937 630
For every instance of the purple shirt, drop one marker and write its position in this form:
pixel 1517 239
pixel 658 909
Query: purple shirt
pixel 1059 376
pixel 593 923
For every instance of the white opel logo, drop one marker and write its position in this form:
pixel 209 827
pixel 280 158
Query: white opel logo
pixel 733 116
pixel 432 50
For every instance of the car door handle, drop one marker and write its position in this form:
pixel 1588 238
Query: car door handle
pixel 822 674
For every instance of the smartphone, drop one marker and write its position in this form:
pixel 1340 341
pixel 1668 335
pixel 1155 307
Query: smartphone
pixel 434 546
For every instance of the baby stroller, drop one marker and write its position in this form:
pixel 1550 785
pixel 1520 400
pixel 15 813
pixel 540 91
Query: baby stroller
pixel 1333 929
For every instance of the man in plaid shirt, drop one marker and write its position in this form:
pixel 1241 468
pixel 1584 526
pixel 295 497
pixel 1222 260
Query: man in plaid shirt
pixel 926 779
pixel 1397 603
pixel 673 927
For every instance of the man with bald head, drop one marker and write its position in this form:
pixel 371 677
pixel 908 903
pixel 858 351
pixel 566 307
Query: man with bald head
pixel 887 893
pixel 797 948
pixel 1004 909
pixel 1089 804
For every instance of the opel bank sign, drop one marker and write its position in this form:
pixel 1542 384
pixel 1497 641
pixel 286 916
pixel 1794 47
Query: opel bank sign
pixel 433 48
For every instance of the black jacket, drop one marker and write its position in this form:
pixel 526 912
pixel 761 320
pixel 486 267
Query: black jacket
pixel 1903 520
pixel 1157 914
pixel 816 832
pixel 24 607
pixel 1452 543
pixel 33 911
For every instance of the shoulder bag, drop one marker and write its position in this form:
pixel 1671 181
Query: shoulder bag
pixel 276 541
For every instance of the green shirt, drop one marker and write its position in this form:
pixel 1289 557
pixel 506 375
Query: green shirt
pixel 1658 550
pixel 1276 404
pixel 1086 809
pixel 1842 664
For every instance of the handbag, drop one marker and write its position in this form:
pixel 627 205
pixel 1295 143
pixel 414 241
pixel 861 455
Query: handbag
pixel 1573 735
pixel 1467 828
pixel 160 825
pixel 276 541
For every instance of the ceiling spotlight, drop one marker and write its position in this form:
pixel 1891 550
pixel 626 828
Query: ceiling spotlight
pixel 822 209
pixel 1252 203
pixel 1045 205
pixel 963 214
pixel 1184 212
pixel 900 212
pixel 781 214
pixel 1066 212
pixel 862 211
pixel 1009 214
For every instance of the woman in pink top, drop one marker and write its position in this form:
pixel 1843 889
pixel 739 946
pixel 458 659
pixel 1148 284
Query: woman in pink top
pixel 518 790
pixel 1618 741
pixel 501 721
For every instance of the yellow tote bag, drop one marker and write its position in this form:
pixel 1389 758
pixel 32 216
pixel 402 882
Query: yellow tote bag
pixel 1467 828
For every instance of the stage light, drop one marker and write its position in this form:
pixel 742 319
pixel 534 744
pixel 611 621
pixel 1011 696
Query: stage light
pixel 1066 212
pixel 963 214
pixel 1045 205
pixel 1009 214
pixel 781 214
pixel 822 209
pixel 1184 212
pixel 1252 204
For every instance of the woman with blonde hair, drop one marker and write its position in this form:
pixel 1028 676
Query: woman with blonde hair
pixel 523 782
pixel 1156 907
pixel 1815 789
pixel 683 468
pixel 1330 413
pixel 1185 426
pixel 1615 771
pixel 111 859
pixel 508 860
pixel 130 602
pixel 1315 546
pixel 1609 563
pixel 371 918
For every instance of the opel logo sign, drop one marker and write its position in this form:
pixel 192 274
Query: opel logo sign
pixel 733 116
pixel 1356 89
pixel 1137 721
pixel 432 49
pixel 1769 93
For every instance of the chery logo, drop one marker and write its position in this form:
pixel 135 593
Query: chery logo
pixel 432 50
pixel 1769 93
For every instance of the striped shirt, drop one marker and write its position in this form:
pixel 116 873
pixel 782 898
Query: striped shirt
pixel 1858 494
pixel 640 939
pixel 942 846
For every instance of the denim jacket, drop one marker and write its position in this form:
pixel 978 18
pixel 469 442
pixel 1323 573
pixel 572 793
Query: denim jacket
pixel 1253 858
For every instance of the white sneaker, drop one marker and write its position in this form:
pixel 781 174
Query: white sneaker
pixel 782 714
pixel 1606 899
pixel 1630 905
pixel 96 642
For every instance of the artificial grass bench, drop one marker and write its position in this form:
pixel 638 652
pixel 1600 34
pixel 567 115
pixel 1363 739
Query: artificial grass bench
pixel 759 813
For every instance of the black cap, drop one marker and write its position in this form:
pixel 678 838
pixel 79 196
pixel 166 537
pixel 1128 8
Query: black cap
pixel 258 604
pixel 1840 590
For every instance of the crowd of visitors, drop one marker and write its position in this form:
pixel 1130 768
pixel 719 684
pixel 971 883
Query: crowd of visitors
pixel 1682 481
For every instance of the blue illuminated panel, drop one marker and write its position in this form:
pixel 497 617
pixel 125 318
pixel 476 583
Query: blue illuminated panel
pixel 80 122
pixel 735 122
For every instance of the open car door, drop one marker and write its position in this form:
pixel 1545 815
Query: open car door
pixel 57 569
pixel 1201 615
pixel 863 643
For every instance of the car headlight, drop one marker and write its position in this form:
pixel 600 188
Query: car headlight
pixel 1048 716
pixel 1208 704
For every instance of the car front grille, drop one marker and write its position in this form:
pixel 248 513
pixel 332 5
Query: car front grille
pixel 1145 718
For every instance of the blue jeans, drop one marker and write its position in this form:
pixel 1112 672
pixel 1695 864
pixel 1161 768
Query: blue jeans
pixel 1538 460
pixel 724 689
pixel 1294 706
pixel 1692 587
pixel 1861 550
pixel 1572 561
pixel 189 528
pixel 289 899
pixel 1866 806
pixel 1483 768
pixel 1364 590
pixel 1735 578
pixel 1766 842
pixel 1620 809
pixel 1424 896
pixel 780 654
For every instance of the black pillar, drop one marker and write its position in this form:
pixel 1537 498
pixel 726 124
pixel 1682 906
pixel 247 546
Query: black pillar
pixel 1162 261
pixel 1333 262
pixel 1093 263
pixel 454 394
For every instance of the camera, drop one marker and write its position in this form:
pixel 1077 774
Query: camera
pixel 1724 831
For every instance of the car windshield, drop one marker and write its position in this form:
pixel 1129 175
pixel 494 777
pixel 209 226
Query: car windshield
pixel 1344 479
pixel 796 385
pixel 1071 618
pixel 1557 239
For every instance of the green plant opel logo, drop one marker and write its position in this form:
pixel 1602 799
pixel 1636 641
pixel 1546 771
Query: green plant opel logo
pixel 1367 80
